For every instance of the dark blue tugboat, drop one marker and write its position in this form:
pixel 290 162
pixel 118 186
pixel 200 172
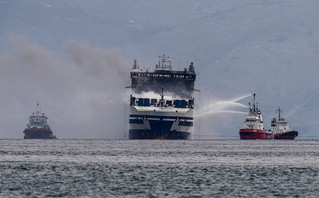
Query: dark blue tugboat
pixel 38 128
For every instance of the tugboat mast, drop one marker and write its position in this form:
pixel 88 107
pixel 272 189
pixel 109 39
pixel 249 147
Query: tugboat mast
pixel 38 110
pixel 279 111
pixel 254 102
pixel 254 107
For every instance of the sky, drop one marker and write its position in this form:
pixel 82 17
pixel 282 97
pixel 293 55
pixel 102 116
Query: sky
pixel 75 57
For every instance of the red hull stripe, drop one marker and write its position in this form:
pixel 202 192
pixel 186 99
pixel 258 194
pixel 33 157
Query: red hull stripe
pixel 252 130
pixel 254 134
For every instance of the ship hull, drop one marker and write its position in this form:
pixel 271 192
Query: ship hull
pixel 290 135
pixel 254 134
pixel 145 123
pixel 148 134
pixel 38 133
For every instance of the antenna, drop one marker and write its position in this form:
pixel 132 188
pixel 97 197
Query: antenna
pixel 163 61
pixel 191 67
pixel 135 66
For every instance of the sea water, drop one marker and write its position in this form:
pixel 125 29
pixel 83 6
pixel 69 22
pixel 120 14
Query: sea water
pixel 159 168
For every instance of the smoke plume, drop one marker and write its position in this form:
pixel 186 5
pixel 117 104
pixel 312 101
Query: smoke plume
pixel 80 89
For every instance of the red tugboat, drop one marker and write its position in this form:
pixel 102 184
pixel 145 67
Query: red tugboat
pixel 253 126
pixel 281 129
pixel 38 128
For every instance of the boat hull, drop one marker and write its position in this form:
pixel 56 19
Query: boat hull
pixel 160 129
pixel 145 123
pixel 38 133
pixel 148 134
pixel 290 135
pixel 254 134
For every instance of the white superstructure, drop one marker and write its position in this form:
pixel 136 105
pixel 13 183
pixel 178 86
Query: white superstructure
pixel 279 125
pixel 254 119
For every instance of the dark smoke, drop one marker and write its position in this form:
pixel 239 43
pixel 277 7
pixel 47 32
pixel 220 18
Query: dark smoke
pixel 81 89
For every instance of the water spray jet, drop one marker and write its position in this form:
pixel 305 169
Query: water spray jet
pixel 221 107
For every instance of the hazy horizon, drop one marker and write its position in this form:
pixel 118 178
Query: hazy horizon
pixel 75 58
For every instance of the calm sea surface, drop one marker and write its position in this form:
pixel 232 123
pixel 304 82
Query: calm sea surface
pixel 153 168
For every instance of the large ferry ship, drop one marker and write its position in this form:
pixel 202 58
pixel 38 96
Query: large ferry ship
pixel 38 127
pixel 253 125
pixel 281 129
pixel 162 102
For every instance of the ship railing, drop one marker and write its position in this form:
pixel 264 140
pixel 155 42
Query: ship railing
pixel 163 75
